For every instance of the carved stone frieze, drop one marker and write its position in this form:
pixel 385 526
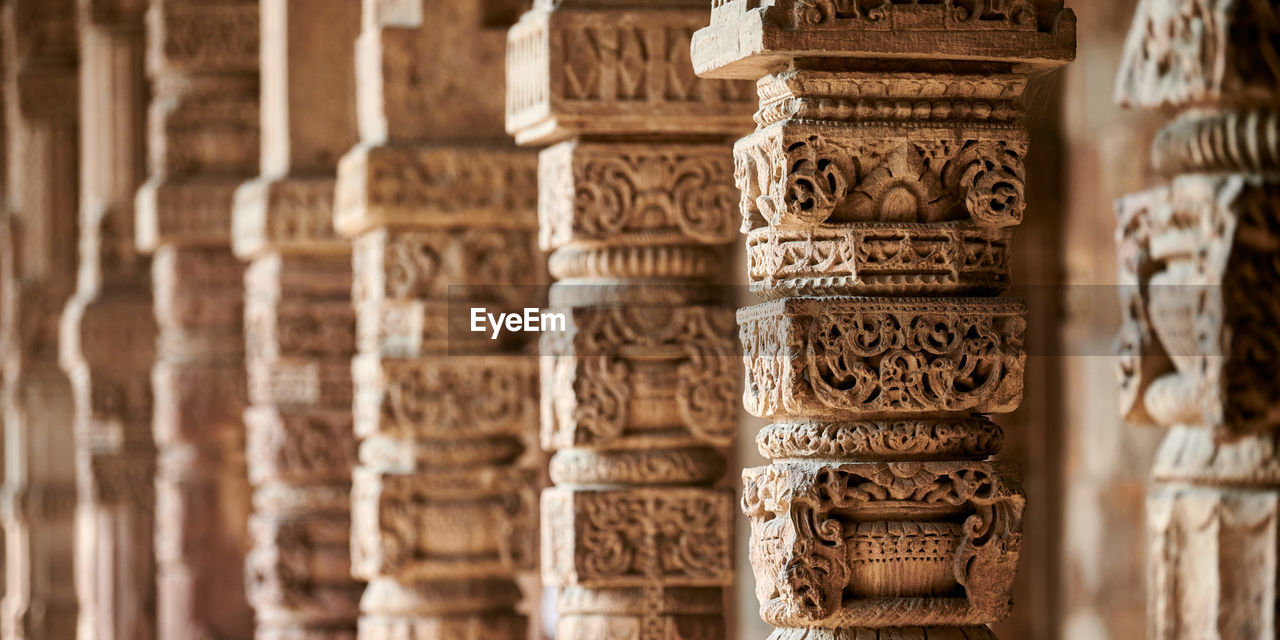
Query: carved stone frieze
pixel 635 202
pixel 910 258
pixel 575 68
pixel 831 356
pixel 749 40
pixel 877 193
pixel 1198 345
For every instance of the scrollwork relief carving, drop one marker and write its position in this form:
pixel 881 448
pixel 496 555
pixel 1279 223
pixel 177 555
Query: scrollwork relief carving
pixel 789 178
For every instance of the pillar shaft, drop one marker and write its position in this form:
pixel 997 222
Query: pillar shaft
pixel 39 494
pixel 433 196
pixel 878 193
pixel 108 336
pixel 300 326
pixel 1198 343
pixel 202 57
pixel 636 206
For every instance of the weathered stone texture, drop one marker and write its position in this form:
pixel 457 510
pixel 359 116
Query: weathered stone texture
pixel 109 335
pixel 444 508
pixel 1198 347
pixel 636 204
pixel 202 59
pixel 300 329
pixel 41 60
pixel 878 191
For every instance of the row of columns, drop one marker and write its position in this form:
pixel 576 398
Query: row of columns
pixel 284 208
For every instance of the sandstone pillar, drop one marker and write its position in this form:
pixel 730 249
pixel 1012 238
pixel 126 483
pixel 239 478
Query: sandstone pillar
pixel 442 514
pixel 202 57
pixel 39 493
pixel 108 336
pixel 638 394
pixel 300 326
pixel 878 194
pixel 1200 348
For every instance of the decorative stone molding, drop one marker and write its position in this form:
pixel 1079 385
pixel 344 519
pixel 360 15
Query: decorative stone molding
pixel 636 203
pixel 877 192
pixel 41 59
pixel 109 336
pixel 433 198
pixel 202 58
pixel 1198 346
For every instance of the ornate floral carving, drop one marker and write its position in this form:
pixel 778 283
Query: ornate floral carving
pixel 913 356
pixel 595 375
pixel 860 188
pixel 1010 15
pixel 906 258
pixel 639 537
pixel 444 397
pixel 799 173
pixel 803 509
pixel 449 524
pixel 435 186
pixel 607 190
pixel 921 439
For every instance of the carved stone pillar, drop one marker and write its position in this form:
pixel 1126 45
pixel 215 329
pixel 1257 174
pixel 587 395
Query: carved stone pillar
pixel 39 493
pixel 636 202
pixel 109 334
pixel 203 135
pixel 433 196
pixel 300 326
pixel 878 194
pixel 1199 345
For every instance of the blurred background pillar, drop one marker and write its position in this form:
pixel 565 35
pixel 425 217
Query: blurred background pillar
pixel 1200 347
pixel 40 73
pixel 639 396
pixel 444 504
pixel 202 57
pixel 300 326
pixel 109 334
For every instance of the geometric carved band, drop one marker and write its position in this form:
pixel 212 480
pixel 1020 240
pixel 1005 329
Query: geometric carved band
pixel 960 438
pixel 862 258
pixel 669 536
